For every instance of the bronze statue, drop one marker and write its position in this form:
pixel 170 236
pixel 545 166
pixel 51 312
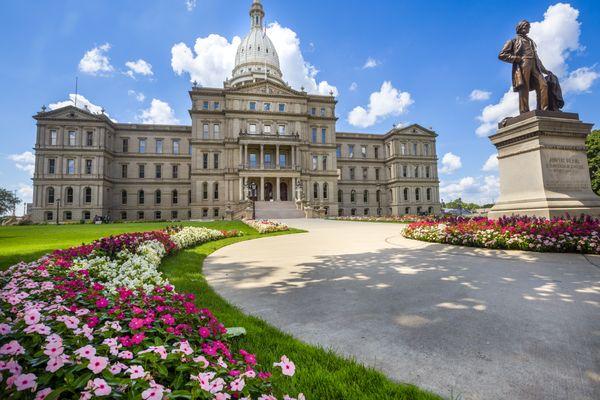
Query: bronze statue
pixel 528 72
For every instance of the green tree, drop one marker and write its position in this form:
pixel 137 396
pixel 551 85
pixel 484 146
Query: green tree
pixel 8 201
pixel 458 203
pixel 593 153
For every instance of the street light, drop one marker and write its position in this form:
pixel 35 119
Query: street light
pixel 57 210
pixel 378 195
pixel 251 190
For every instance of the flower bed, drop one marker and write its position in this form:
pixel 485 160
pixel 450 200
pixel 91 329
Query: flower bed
pixel 564 235
pixel 389 218
pixel 266 225
pixel 99 320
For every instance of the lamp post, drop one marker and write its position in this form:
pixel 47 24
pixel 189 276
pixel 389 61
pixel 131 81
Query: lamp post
pixel 251 190
pixel 378 194
pixel 57 210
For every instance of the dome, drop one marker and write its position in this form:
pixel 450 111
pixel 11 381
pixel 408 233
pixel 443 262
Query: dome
pixel 256 56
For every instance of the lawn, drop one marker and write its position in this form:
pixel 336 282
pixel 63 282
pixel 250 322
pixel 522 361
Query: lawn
pixel 320 374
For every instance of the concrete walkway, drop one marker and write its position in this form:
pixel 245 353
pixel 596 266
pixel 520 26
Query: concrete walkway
pixel 485 324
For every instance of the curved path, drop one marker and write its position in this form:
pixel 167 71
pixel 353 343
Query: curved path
pixel 485 324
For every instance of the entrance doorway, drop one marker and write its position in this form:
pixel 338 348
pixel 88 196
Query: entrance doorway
pixel 283 191
pixel 268 191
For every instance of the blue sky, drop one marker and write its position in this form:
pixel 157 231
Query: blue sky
pixel 426 59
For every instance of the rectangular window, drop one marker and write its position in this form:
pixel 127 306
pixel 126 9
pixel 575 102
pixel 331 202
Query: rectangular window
pixel 314 135
pixel 205 105
pixel 281 129
pixel 376 174
pixel 324 163
pixel 315 162
pixel 252 106
pixel 426 148
pixel 414 149
pixel 176 146
pixel 322 112
pixel 215 191
pixel 216 105
pixel 323 135
pixel 402 149
pixel 125 145
pixel 157 215
pixel 266 106
pixel 89 139
pixel 70 166
pixel 267 129
pixel 365 173
pixel 363 151
pixel 281 107
pixel 351 150
pixel 352 175
pixel 253 129
pixel 216 131
pixel 159 146
pixel 124 171
pixel 205 160
pixel 313 111
pixel 158 171
pixel 282 160
pixel 53 137
pixel 190 147
pixel 140 215
pixel 123 215
pixel 404 171
pixel 253 160
pixel 72 138
pixel 51 166
pixel 338 151
pixel 205 131
pixel 142 171
pixel 88 167
pixel 216 160
pixel 428 172
pixel 205 213
pixel 376 151
pixel 142 145
pixel 216 212
pixel 175 171
pixel 173 214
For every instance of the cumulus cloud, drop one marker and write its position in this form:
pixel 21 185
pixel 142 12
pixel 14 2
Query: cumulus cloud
pixel 139 67
pixel 491 164
pixel 139 96
pixel 480 190
pixel 159 113
pixel 211 61
pixel 388 101
pixel 450 163
pixel 353 86
pixel 25 192
pixel 557 37
pixel 82 103
pixel 190 5
pixel 479 95
pixel 371 63
pixel 96 61
pixel 24 161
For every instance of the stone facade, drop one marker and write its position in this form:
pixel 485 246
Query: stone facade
pixel 256 131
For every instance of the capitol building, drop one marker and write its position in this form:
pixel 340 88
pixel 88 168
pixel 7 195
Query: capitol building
pixel 254 138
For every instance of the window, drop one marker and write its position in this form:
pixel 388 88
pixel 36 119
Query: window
pixel 159 146
pixel 140 215
pixel 142 145
pixel 351 150
pixel 215 191
pixel 69 195
pixel 89 141
pixel 205 191
pixel 68 215
pixel 281 129
pixel 189 198
pixel 325 190
pixel 123 197
pixel 125 145
pixel 281 107
pixel 53 137
pixel 428 172
pixel 87 195
pixel 377 174
pixel 402 149
pixel 404 171
pixel 313 111
pixel 376 151
pixel 282 160
pixel 216 105
pixel 338 150
pixel 266 106
pixel 124 171
pixel 352 175
pixel 141 171
pixel 205 105
pixel 267 129
pixel 428 194
pixel 176 146
pixel 205 160
pixel 86 215
pixel 190 147
pixel 72 138
pixel 406 194
pixel 123 215
pixel 157 215
pixel 340 212
pixel 324 163
pixel 51 166
pixel 175 171
pixel 378 196
pixel 417 194
pixel 141 197
pixel 353 196
pixel 268 163
pixel 50 196
pixel 353 212
pixel 70 166
pixel 253 160
pixel 315 161
pixel 363 151
pixel 49 216
pixel 322 111
pixel 414 149
pixel 174 197
pixel 215 212
pixel 205 213
pixel 315 190
pixel 158 171
pixel 407 210
pixel 157 197
pixel 205 131
pixel 314 135
pixel 216 160
pixel 252 106
pixel 174 214
pixel 216 131
pixel 253 129
pixel 426 149
pixel 365 172
pixel 366 196
pixel 416 169
pixel 88 167
pixel 366 211
pixel 323 135
pixel 340 196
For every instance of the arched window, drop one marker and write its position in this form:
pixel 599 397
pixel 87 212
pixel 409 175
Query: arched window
pixel 417 194
pixel 428 194
pixel 353 196
pixel 405 194
pixel 141 198
pixel 69 195
pixel 174 197
pixel 50 196
pixel 340 196
pixel 325 190
pixel 366 196
pixel 157 197
pixel 123 196
pixel 87 195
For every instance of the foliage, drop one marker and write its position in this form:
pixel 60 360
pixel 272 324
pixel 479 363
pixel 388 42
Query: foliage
pixel 459 204
pixel 8 201
pixel 593 154
pixel 266 225
pixel 389 218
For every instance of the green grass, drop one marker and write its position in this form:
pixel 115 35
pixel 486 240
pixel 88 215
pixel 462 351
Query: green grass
pixel 320 374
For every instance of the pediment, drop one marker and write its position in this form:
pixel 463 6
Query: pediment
pixel 414 129
pixel 71 113
pixel 267 88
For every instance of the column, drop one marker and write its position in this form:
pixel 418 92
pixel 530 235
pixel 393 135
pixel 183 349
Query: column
pixel 277 196
pixel 246 154
pixel 293 148
pixel 241 155
pixel 262 183
pixel 241 186
pixel 262 156
pixel 277 155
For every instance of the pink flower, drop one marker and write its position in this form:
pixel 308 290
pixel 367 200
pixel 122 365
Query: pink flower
pixel 86 351
pixel 287 367
pixel 116 368
pixel 32 316
pixel 42 394
pixel 204 332
pixel 185 348
pixel 222 396
pixel 97 364
pixel 136 323
pixel 201 360
pixel 12 348
pixel 55 363
pixel 26 381
pixel 136 372
pixel 4 329
pixel 85 395
pixel 238 385
pixel 138 338
pixel 153 394
pixel 168 319
pixel 53 350
pixel 101 388
pixel 126 355
pixel 102 302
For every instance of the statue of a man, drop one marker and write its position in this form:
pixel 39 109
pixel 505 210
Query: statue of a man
pixel 528 70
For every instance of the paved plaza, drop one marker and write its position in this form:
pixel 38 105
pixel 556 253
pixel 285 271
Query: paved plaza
pixel 485 324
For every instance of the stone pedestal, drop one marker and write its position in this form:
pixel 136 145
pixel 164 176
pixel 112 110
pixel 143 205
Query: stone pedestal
pixel 543 166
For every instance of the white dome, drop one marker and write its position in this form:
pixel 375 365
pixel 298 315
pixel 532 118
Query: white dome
pixel 256 56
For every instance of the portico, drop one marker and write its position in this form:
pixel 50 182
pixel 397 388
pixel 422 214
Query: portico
pixel 269 186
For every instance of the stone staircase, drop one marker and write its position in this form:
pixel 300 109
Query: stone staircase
pixel 277 210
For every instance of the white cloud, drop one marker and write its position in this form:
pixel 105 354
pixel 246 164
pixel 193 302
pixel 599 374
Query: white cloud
pixel 190 5
pixel 388 101
pixel 557 37
pixel 24 161
pixel 140 67
pixel 480 190
pixel 96 61
pixel 353 86
pixel 25 192
pixel 479 95
pixel 139 96
pixel 371 63
pixel 491 164
pixel 213 58
pixel 159 113
pixel 82 103
pixel 450 163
